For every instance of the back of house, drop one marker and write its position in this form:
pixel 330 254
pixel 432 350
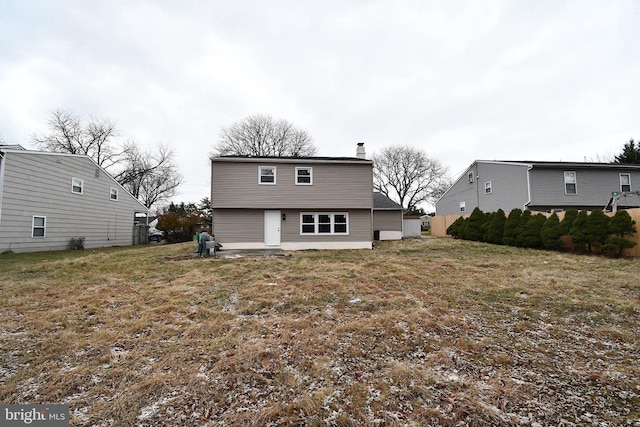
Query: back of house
pixel 46 199
pixel 292 203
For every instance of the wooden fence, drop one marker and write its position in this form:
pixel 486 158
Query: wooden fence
pixel 439 225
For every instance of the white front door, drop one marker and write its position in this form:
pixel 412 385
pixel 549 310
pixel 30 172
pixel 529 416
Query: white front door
pixel 272 228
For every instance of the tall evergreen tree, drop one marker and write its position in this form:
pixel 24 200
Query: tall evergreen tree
pixel 551 233
pixel 474 227
pixel 630 154
pixel 453 229
pixel 511 227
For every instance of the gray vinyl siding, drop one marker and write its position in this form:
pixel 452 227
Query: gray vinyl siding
pixel 387 220
pixel 336 186
pixel 39 184
pixel 247 226
pixel 508 183
pixel 238 225
pixel 594 187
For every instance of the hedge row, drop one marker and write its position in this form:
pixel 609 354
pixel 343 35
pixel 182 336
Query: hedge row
pixel 589 232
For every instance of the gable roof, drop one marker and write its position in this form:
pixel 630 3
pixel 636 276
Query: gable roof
pixel 380 201
pixel 548 164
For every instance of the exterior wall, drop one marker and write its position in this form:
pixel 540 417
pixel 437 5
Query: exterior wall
pixel 594 188
pixel 244 229
pixel 35 183
pixel 509 189
pixel 389 223
pixel 337 186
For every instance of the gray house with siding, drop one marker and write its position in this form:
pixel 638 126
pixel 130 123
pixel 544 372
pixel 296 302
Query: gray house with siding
pixel 292 203
pixel 48 198
pixel 539 186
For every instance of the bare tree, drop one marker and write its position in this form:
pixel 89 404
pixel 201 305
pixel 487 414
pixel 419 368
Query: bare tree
pixel 150 177
pixel 261 135
pixel 408 176
pixel 70 133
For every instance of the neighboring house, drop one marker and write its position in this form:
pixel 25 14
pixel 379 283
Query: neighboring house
pixel 539 186
pixel 387 218
pixel 292 203
pixel 46 199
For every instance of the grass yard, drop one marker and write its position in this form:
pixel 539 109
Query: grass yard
pixel 422 332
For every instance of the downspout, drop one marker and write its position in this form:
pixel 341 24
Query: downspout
pixel 528 187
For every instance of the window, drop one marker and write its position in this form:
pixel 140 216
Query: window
pixel 570 182
pixel 471 178
pixel 324 223
pixel 304 176
pixel 267 175
pixel 487 188
pixel 113 194
pixel 38 226
pixel 77 185
pixel 463 206
pixel 625 182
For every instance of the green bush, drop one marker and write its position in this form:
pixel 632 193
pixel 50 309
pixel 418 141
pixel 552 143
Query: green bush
pixel 495 227
pixel 597 229
pixel 454 228
pixel 511 227
pixel 552 232
pixel 473 229
pixel 522 223
pixel 530 236
pixel 620 226
pixel 578 231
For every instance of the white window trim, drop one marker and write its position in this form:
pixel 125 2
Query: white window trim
pixel 33 227
pixel 471 177
pixel 463 206
pixel 113 191
pixel 629 180
pixel 310 169
pixel 260 168
pixel 77 182
pixel 316 223
pixel 575 183
pixel 488 187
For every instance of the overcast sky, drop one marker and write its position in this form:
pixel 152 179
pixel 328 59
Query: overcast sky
pixel 462 80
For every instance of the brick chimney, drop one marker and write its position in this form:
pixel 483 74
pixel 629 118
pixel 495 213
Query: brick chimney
pixel 360 153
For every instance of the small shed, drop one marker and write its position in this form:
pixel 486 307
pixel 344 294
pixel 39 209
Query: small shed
pixel 387 218
pixel 411 226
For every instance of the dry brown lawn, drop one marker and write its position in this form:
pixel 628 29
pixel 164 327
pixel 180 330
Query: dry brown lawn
pixel 422 332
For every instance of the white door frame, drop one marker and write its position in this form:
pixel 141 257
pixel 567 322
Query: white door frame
pixel 272 228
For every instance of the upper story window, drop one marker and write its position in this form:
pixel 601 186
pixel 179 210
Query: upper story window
pixel 113 194
pixel 77 185
pixel 625 182
pixel 570 182
pixel 267 175
pixel 38 226
pixel 463 207
pixel 487 188
pixel 304 176
pixel 471 177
